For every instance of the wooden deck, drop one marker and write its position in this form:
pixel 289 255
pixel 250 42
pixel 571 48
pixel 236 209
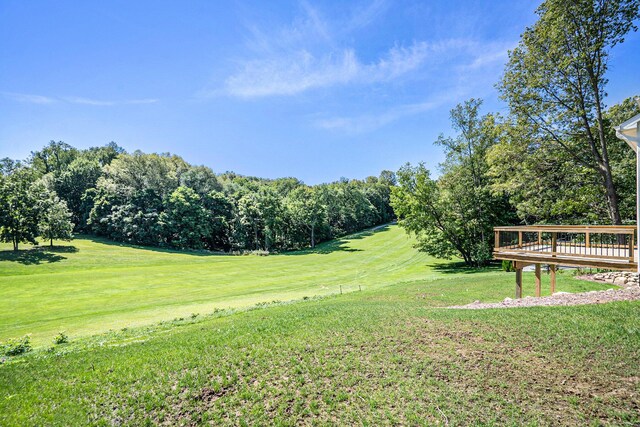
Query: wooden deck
pixel 606 247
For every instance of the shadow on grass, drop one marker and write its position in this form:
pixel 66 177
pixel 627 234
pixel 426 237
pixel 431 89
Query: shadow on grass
pixel 462 268
pixel 336 245
pixel 37 255
pixel 339 244
pixel 193 252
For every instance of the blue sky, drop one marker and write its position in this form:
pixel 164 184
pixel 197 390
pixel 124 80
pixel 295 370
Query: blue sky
pixel 315 90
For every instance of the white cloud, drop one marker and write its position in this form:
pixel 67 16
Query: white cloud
pixel 97 102
pixel 370 122
pixel 28 98
pixel 365 16
pixel 299 71
pixel 39 99
pixel 87 101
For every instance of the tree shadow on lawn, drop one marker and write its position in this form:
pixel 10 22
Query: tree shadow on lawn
pixel 340 244
pixel 459 267
pixel 193 252
pixel 336 245
pixel 37 255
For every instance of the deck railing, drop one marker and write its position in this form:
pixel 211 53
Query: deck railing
pixel 576 241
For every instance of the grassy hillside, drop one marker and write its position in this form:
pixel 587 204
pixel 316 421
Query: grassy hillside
pixel 92 285
pixel 386 355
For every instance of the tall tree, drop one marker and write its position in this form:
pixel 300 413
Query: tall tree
pixel 185 221
pixel 546 185
pixel 455 215
pixel 556 79
pixel 18 208
pixel 53 158
pixel 54 216
pixel 307 211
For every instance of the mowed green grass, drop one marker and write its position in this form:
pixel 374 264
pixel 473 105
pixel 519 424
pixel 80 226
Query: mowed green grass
pixel 92 285
pixel 389 354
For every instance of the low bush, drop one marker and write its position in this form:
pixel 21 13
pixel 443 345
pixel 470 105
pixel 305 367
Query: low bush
pixel 508 266
pixel 15 346
pixel 61 338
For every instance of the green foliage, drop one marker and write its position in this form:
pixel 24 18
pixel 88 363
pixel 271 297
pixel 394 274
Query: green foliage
pixel 61 338
pixel 455 215
pixel 15 346
pixel 555 85
pixel 508 266
pixel 308 211
pixel 19 213
pixel 54 217
pixel 185 222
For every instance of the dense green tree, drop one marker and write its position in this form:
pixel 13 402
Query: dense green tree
pixel 546 185
pixel 271 213
pixel 185 222
pixel 555 80
pixel 19 213
pixel 221 217
pixel 307 211
pixel 81 174
pixel 455 215
pixel 201 179
pixel 159 199
pixel 54 217
pixel 53 158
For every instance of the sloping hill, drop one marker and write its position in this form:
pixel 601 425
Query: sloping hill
pixel 93 285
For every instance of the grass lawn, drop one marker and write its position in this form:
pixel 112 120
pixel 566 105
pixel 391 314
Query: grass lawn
pixel 387 355
pixel 92 285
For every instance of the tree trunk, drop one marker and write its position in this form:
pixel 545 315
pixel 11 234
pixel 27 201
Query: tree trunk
pixel 313 236
pixel 612 197
pixel 51 245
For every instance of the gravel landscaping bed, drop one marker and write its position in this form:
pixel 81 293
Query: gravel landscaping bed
pixel 631 293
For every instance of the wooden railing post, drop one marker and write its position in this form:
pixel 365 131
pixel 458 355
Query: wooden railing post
pixel 554 243
pixel 496 244
pixel 587 240
pixel 519 239
pixel 631 245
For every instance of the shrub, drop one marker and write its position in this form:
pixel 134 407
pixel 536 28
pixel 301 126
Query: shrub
pixel 16 346
pixel 507 266
pixel 61 338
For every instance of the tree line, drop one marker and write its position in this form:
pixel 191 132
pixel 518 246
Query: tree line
pixel 552 158
pixel 161 200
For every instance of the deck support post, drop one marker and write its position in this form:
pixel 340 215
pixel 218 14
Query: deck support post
pixel 538 282
pixel 518 281
pixel 552 271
